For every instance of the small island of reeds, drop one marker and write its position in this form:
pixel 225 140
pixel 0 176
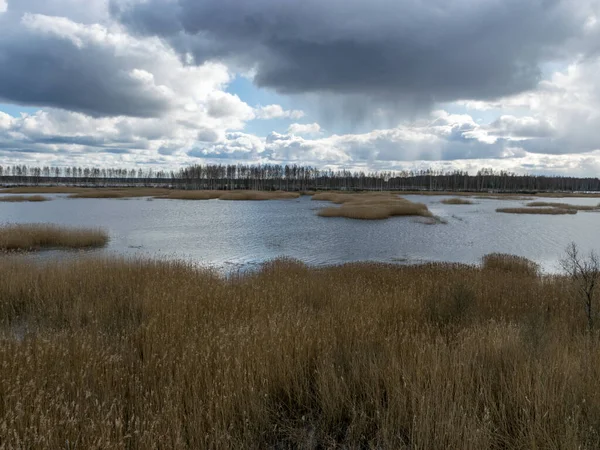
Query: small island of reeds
pixel 457 201
pixel 370 206
pixel 33 237
pixel 23 198
pixel 530 210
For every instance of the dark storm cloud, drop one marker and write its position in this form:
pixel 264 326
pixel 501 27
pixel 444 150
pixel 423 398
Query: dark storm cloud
pixel 421 51
pixel 42 69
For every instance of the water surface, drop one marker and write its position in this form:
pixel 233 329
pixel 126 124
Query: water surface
pixel 231 234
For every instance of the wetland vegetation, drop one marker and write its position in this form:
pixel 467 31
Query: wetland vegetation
pixel 135 353
pixel 23 198
pixel 32 237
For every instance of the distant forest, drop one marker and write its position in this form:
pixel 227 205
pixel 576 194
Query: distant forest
pixel 291 178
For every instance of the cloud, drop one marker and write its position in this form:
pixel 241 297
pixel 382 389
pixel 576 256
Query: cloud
pixel 223 104
pixel 277 112
pixel 522 127
pixel 304 129
pixel 3 6
pixel 388 50
pixel 100 71
pixel 153 88
pixel 560 116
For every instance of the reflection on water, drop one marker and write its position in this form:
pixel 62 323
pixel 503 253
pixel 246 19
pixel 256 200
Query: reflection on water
pixel 232 234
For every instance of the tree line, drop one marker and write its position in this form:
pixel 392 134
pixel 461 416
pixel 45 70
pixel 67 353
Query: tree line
pixel 291 178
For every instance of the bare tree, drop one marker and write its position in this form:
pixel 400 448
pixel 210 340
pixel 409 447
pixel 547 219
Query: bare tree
pixel 585 273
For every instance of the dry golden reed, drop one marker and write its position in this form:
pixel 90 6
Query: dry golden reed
pixel 456 201
pixel 563 206
pixel 192 195
pixel 120 193
pixel 31 237
pixel 370 206
pixel 24 198
pixel 113 353
pixel 45 190
pixel 517 265
pixel 530 210
pixel 259 195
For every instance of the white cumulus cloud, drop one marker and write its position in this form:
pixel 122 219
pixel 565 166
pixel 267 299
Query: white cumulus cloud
pixel 311 129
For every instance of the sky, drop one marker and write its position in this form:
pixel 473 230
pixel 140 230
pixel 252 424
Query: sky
pixel 343 84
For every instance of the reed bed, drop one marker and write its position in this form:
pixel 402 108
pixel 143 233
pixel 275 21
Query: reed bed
pixel 121 193
pixel 259 195
pixel 230 195
pixel 45 190
pixel 517 265
pixel 502 197
pixel 530 210
pixel 192 195
pixel 456 201
pixel 569 194
pixel 32 237
pixel 370 206
pixel 563 206
pixel 114 353
pixel 24 198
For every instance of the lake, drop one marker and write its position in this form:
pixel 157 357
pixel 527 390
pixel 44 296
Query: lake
pixel 239 234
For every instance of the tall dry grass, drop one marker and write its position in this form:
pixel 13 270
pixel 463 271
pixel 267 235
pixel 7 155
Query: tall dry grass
pixel 456 201
pixel 24 198
pixel 229 195
pixel 530 210
pixel 192 195
pixel 106 353
pixel 31 237
pixel 370 206
pixel 517 265
pixel 259 195
pixel 563 206
pixel 45 190
pixel 120 193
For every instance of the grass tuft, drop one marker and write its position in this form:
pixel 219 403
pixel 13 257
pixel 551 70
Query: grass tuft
pixel 31 237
